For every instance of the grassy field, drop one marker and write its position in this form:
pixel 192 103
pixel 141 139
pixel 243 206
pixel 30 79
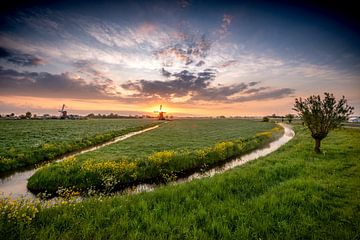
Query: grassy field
pixel 177 135
pixel 174 149
pixel 26 142
pixel 290 194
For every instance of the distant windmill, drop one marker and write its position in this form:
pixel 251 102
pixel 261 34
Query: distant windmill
pixel 161 113
pixel 63 113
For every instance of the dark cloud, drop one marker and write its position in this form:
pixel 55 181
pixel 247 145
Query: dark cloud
pixel 255 90
pixel 184 83
pixel 43 84
pixel 220 93
pixel 193 86
pixel 165 73
pixel 89 69
pixel 267 94
pixel 200 63
pixel 253 83
pixel 86 66
pixel 197 87
pixel 18 58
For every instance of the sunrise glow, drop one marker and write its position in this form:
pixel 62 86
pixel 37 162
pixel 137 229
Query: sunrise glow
pixel 195 59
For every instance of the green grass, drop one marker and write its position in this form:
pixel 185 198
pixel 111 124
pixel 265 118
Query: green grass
pixel 27 142
pixel 175 149
pixel 177 135
pixel 293 193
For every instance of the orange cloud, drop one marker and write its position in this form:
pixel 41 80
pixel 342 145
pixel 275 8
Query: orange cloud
pixel 76 106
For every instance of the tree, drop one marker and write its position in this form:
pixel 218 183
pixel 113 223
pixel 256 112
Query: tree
pixel 321 116
pixel 91 115
pixel 28 115
pixel 289 117
pixel 265 119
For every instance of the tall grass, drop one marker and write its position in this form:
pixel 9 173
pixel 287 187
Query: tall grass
pixel 290 194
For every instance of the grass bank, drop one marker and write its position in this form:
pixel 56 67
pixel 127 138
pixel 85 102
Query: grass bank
pixel 290 194
pixel 27 142
pixel 114 167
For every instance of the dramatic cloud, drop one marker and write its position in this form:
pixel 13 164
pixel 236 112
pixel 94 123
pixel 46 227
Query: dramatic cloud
pixel 200 63
pixel 268 94
pixel 19 58
pixel 45 84
pixel 255 90
pixel 192 87
pixel 165 73
pixel 91 70
pixel 184 84
pixel 190 50
pixel 253 83
pixel 220 93
pixel 85 66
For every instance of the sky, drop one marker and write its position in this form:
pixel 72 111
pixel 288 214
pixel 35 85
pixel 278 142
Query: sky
pixel 196 58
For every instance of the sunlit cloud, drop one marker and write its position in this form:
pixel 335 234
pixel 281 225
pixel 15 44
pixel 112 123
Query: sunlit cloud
pixel 198 56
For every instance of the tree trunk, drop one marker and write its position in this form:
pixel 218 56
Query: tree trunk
pixel 317 145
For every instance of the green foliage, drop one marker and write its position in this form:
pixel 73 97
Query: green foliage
pixel 293 193
pixel 27 142
pixel 28 115
pixel 321 116
pixel 103 174
pixel 289 117
pixel 266 119
pixel 18 209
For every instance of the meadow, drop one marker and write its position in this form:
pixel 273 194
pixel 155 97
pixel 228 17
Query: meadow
pixel 27 142
pixel 175 149
pixel 292 193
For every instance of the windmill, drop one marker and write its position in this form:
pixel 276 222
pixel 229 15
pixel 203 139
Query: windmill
pixel 63 113
pixel 161 113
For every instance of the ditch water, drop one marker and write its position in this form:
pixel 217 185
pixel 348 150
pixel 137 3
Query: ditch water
pixel 15 183
pixel 271 147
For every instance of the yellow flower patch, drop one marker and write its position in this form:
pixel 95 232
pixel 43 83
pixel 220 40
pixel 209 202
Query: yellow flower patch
pixel 108 166
pixel 160 158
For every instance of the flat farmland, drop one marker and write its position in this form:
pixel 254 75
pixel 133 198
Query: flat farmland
pixel 27 142
pixel 172 150
pixel 179 135
pixel 292 193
